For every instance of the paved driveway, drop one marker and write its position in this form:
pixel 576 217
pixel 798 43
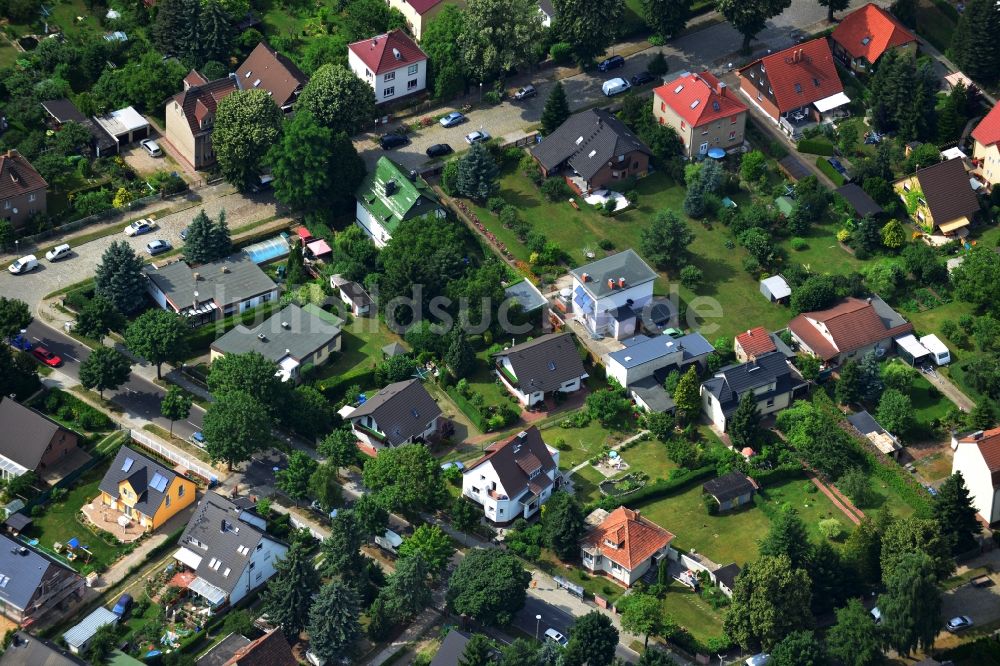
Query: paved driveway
pixel 240 211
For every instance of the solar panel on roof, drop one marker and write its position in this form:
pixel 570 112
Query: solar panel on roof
pixel 127 465
pixel 158 483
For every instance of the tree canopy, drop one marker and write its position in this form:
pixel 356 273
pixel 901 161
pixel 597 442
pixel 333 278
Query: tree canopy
pixel 407 477
pixel 104 368
pixel 750 16
pixel 771 600
pixel 588 27
pixel 235 427
pixel 338 100
pixel 488 585
pixel 158 336
pixel 247 124
pixel 288 596
pixel 665 241
pixel 499 35
pixel 119 278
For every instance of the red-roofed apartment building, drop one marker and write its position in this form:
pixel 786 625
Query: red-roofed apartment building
pixel 986 154
pixel 702 111
pixel 849 330
pixel 22 189
pixel 977 457
pixel 797 87
pixel 419 13
pixel 623 545
pixel 864 35
pixel 392 64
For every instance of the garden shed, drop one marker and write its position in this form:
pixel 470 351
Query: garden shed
pixel 78 637
pixel 775 289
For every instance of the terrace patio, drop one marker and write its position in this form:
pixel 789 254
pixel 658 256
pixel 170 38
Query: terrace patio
pixel 105 518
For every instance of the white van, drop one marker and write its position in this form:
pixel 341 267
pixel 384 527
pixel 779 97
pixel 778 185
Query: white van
pixel 616 86
pixel 939 350
pixel 59 252
pixel 25 264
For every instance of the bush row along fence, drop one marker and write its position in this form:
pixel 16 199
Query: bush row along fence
pixel 468 409
pixel 69 227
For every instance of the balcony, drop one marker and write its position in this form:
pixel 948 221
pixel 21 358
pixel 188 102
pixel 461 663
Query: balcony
pixel 370 431
pixel 511 379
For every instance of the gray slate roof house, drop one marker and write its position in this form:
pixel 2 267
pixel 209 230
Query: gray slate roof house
pixel 149 479
pixel 650 395
pixel 626 264
pixel 451 650
pixel 545 363
pixel 28 650
pixel 29 439
pixel 586 142
pixel 402 411
pixel 770 372
pixel 229 550
pixel 521 463
pixel 223 651
pixel 726 578
pixel 221 286
pixel 30 583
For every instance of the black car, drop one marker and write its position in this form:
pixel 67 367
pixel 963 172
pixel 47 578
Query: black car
pixel 439 150
pixel 390 141
pixel 614 62
pixel 642 78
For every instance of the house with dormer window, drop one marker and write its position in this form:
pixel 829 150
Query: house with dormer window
pixel 392 64
pixel 548 364
pixel 228 549
pixel 513 478
pixel 623 545
pixel 866 34
pixel 142 489
pixel 770 377
pixel 703 112
pixel 22 189
pixel 190 117
pixel 401 413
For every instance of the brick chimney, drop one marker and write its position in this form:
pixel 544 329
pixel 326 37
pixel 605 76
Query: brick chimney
pixel 722 88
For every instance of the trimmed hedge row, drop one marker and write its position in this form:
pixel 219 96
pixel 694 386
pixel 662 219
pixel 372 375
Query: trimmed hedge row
pixel 815 147
pixel 657 489
pixel 334 388
pixel 770 477
pixel 828 169
pixel 468 409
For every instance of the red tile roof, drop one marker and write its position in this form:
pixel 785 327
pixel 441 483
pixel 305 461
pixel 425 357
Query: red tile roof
pixel 696 98
pixel 423 6
pixel 638 538
pixel 871 31
pixel 987 132
pixel 378 52
pixel 200 100
pixel 756 341
pixel 809 66
pixel 989 447
pixel 17 176
pixel 271 649
pixel 852 324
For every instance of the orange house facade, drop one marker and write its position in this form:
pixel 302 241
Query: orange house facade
pixel 145 491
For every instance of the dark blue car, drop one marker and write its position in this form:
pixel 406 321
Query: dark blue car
pixel 21 342
pixel 123 606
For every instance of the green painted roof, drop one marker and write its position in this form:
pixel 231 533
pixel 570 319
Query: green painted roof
pixel 411 198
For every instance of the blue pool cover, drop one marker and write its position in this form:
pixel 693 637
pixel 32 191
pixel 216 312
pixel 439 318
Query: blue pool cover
pixel 269 250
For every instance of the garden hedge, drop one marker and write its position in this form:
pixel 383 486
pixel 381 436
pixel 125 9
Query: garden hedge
pixel 815 147
pixel 828 169
pixel 658 489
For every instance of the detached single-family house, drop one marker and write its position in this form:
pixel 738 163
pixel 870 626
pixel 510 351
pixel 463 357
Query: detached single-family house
pixel 229 551
pixel 548 12
pixel 293 338
pixel 22 189
pixel 864 35
pixel 848 330
pixel 769 377
pixel 986 151
pixel 940 198
pixel 353 295
pixel 400 413
pixel 797 87
pixel 419 13
pixel 210 291
pixel 977 457
pixel 62 111
pixel 592 150
pixel 531 370
pixel 190 116
pixel 30 650
pixel 33 586
pixel 271 649
pixel 266 69
pixel 609 294
pixel 144 490
pixel 623 545
pixel 30 441
pixel 731 490
pixel 756 342
pixel 880 438
pixel 643 365
pixel 390 194
pixel 702 111
pixel 392 64
pixel 513 478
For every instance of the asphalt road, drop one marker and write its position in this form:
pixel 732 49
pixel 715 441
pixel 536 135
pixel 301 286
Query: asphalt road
pixel 138 397
pixel 554 618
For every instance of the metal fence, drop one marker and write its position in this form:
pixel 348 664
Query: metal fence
pixel 173 455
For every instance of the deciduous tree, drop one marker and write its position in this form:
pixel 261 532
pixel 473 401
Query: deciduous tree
pixel 854 639
pixel 98 318
pixel 666 18
pixel 293 480
pixel 499 35
pixel 911 605
pixel 489 586
pixel 176 405
pixel 665 240
pixel 15 316
pixel 439 40
pixel 247 124
pixel 119 278
pixel 593 641
pixel 771 600
pixel 431 545
pixel 977 279
pixel 833 6
pixel 105 368
pixel 905 536
pixel 407 591
pixel 643 615
pixel 750 16
pixel 338 100
pixel 235 427
pixel 323 486
pixel 158 336
pixel 340 447
pixel 408 478
pixel 589 27
pixel 562 524
pixel 799 648
pixel 252 374
pixel 895 411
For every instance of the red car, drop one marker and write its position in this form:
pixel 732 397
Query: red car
pixel 46 357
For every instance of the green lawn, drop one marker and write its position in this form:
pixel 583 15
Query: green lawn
pixel 929 405
pixel 650 458
pixel 59 524
pixel 584 443
pixel 690 611
pixel 811 506
pixel 361 349
pixel 586 481
pixel 934 25
pixel 824 253
pixel 593 584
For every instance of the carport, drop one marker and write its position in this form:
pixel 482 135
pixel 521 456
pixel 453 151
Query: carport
pixel 912 351
pixel 124 125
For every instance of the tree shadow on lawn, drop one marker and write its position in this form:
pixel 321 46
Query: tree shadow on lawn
pixel 714 272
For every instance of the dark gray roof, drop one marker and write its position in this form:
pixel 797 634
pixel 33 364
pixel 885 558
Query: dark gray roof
pixel 401 410
pixel 28 650
pixel 587 141
pixel 794 167
pixel 692 346
pixel 451 650
pixel 18 521
pixel 727 575
pixel 547 8
pixel 653 394
pixel 865 423
pixel 216 525
pixel 63 110
pixel 355 293
pixel 545 363
pixel 293 331
pixel 140 473
pixel 24 433
pixel 627 264
pixel 859 200
pixel 729 486
pixel 223 650
pixel 732 381
pixel 947 191
pixel 225 281
pixel 23 569
pixel 515 460
pixel 394 349
pixel 527 295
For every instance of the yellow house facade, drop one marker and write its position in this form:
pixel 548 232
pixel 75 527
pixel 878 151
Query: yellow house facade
pixel 145 491
pixel 940 198
pixel 419 13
